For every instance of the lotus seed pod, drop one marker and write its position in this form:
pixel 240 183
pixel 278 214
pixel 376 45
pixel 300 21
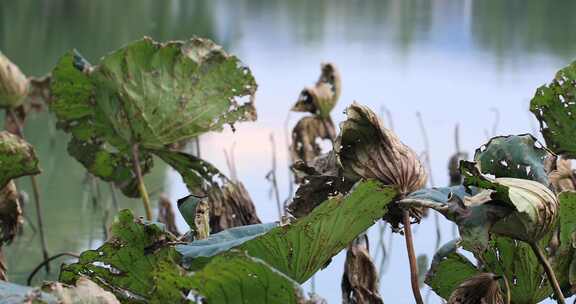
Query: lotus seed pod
pixel 13 84
pixel 482 288
pixel 535 214
pixel 368 150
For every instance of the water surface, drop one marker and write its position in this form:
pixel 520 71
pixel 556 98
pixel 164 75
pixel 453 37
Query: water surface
pixel 473 63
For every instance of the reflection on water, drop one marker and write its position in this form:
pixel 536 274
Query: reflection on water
pixel 455 61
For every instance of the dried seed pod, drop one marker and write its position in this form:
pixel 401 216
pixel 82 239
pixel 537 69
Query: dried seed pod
pixel 13 84
pixel 366 149
pixel 321 99
pixel 482 288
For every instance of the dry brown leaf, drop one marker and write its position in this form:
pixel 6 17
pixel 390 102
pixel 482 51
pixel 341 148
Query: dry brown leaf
pixel 10 213
pixel 13 84
pixel 166 215
pixel 306 134
pixel 366 149
pixel 321 99
pixel 562 179
pixel 360 280
pixel 482 288
pixel 231 206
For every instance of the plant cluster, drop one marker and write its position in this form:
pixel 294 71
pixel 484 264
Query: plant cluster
pixel 514 204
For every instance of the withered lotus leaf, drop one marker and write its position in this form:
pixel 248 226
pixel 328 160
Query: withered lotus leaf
pixel 13 84
pixel 367 149
pixel 482 288
pixel 321 99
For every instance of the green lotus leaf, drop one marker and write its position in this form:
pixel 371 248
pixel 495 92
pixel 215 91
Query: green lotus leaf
pixel 448 270
pixel 554 105
pixel 147 94
pixel 235 277
pixel 517 262
pixel 301 248
pixel 513 156
pixel 135 264
pixel 17 158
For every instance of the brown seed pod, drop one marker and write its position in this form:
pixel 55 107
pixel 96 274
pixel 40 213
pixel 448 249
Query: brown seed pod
pixel 366 149
pixel 13 84
pixel 482 288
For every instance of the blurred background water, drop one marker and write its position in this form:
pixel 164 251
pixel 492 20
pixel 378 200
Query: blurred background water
pixel 472 63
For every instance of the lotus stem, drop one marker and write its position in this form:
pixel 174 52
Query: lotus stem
pixel 411 257
pixel 36 191
pixel 46 262
pixel 40 221
pixel 507 286
pixel 141 185
pixel 549 272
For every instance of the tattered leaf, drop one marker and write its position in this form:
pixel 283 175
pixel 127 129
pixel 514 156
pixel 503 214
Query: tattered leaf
pixel 17 158
pixel 235 277
pixel 366 149
pixel 315 190
pixel 360 279
pixel 516 261
pixel 321 99
pixel 307 133
pixel 147 94
pixel 10 214
pixel 135 264
pixel 554 105
pixel 516 156
pixel 482 288
pixel 229 202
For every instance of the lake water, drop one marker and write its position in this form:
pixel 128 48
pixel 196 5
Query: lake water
pixel 472 63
